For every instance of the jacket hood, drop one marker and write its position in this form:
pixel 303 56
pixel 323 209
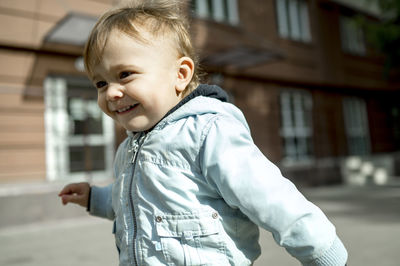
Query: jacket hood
pixel 205 90
pixel 205 99
pixel 212 91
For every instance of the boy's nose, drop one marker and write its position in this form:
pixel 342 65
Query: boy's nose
pixel 114 92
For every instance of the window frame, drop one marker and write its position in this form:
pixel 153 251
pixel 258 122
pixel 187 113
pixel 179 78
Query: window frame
pixel 352 36
pixel 293 20
pixel 222 11
pixel 296 129
pixel 59 139
pixel 356 126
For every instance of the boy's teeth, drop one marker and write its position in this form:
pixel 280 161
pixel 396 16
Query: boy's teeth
pixel 125 108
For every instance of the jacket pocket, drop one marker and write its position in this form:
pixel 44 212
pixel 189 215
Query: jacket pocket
pixel 192 239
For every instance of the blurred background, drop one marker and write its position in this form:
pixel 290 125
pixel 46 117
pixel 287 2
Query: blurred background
pixel 318 81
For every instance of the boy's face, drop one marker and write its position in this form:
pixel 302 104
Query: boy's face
pixel 137 82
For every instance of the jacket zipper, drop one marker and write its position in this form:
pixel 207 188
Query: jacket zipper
pixel 136 149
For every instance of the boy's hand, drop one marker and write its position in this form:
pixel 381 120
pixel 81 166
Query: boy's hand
pixel 77 193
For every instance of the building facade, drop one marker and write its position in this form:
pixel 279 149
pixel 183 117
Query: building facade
pixel 312 90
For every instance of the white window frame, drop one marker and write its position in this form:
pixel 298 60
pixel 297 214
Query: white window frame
pixel 293 20
pixel 296 125
pixel 352 36
pixel 202 10
pixel 58 138
pixel 356 126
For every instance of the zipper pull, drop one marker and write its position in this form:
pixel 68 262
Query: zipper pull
pixel 136 142
pixel 135 149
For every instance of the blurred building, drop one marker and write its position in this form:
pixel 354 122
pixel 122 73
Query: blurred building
pixel 312 90
pixel 51 128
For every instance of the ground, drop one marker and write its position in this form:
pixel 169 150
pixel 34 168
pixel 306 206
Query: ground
pixel 367 220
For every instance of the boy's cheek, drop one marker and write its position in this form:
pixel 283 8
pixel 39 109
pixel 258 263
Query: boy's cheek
pixel 101 101
pixel 103 107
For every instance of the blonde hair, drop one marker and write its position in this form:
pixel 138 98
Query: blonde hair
pixel 158 17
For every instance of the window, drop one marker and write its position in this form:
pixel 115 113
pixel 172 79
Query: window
pixel 218 10
pixel 352 36
pixel 79 137
pixel 356 125
pixel 296 128
pixel 293 20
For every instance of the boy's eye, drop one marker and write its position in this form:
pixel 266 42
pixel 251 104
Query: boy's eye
pixel 100 84
pixel 124 74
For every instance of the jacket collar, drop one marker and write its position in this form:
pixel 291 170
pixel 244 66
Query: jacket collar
pixel 212 91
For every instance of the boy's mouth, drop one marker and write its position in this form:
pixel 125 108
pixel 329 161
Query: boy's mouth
pixel 126 109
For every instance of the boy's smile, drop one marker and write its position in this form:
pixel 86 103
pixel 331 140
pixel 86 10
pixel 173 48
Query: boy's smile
pixel 137 82
pixel 127 109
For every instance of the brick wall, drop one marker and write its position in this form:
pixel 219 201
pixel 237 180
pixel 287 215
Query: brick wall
pixel 23 26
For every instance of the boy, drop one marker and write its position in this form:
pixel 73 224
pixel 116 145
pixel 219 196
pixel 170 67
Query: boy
pixel 191 187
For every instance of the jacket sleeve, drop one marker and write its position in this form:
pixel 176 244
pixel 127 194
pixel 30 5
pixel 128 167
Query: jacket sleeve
pixel 247 180
pixel 101 197
pixel 100 202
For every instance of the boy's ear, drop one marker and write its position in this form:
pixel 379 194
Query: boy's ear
pixel 185 73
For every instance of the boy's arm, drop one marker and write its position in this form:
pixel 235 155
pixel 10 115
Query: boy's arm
pixel 97 200
pixel 101 197
pixel 247 180
pixel 100 202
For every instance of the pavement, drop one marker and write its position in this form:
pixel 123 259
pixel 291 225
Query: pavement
pixel 35 229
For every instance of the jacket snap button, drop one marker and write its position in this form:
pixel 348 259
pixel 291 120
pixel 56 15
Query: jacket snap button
pixel 215 215
pixel 159 219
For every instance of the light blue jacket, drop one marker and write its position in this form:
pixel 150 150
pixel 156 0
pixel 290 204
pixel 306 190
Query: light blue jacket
pixel 194 190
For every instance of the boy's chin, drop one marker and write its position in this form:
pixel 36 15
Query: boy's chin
pixel 138 128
